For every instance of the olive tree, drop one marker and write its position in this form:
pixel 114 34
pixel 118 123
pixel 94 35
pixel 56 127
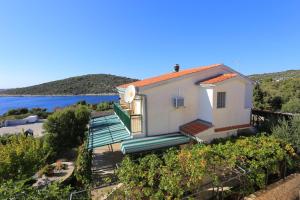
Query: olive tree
pixel 66 128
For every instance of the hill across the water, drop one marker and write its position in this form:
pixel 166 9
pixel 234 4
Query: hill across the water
pixel 87 84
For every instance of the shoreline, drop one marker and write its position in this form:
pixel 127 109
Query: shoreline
pixel 57 95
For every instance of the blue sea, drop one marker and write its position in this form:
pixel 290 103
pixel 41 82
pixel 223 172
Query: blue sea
pixel 49 102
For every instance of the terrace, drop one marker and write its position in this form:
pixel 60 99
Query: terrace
pixel 129 117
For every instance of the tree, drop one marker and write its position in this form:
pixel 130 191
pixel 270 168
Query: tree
pixel 292 106
pixel 259 97
pixel 289 131
pixel 21 157
pixel 275 103
pixel 67 127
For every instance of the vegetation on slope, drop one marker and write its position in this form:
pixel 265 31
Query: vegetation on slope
pixel 277 91
pixel 182 172
pixel 21 157
pixel 87 84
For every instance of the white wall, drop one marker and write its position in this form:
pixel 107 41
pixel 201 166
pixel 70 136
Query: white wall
pixel 205 104
pixel 162 116
pixel 249 95
pixel 234 112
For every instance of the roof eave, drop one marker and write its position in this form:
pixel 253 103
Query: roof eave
pixel 206 85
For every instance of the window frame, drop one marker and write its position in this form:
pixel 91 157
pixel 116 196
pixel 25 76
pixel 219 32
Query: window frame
pixel 221 100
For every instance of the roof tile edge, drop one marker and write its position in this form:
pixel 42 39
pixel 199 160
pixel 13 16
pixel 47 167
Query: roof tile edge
pixel 168 76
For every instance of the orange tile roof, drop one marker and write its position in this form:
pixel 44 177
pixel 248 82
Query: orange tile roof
pixel 218 78
pixel 194 127
pixel 168 76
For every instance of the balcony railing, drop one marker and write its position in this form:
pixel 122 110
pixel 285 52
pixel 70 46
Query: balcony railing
pixel 132 122
pixel 124 116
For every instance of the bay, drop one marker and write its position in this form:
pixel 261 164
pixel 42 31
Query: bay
pixel 49 102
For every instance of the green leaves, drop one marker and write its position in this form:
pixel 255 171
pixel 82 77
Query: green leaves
pixel 289 132
pixel 66 127
pixel 179 172
pixel 83 169
pixel 21 190
pixel 21 156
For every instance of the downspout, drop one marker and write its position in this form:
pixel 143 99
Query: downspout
pixel 146 113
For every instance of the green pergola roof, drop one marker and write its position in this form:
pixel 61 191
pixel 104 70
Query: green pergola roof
pixel 106 130
pixel 155 142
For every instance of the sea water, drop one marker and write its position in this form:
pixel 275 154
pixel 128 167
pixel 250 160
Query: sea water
pixel 49 102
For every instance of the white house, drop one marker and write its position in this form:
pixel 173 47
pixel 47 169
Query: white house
pixel 203 102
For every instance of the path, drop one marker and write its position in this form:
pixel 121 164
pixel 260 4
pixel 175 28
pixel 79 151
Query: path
pixel 103 169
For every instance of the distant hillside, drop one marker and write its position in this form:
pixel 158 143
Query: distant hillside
pixel 87 84
pixel 279 91
pixel 277 76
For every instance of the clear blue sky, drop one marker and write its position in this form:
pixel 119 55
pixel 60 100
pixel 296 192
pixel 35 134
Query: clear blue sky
pixel 48 40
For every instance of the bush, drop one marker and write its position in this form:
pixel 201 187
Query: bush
pixel 46 170
pixel 19 111
pixel 104 106
pixel 41 112
pixel 182 172
pixel 22 190
pixel 289 132
pixel 66 127
pixel 21 157
pixel 292 106
pixel 83 166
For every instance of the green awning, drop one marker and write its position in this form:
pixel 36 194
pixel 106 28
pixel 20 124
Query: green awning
pixel 105 131
pixel 155 142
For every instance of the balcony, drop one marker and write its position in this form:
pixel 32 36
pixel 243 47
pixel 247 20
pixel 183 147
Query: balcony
pixel 132 122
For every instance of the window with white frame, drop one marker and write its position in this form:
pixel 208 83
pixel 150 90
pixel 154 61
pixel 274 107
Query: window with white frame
pixel 221 99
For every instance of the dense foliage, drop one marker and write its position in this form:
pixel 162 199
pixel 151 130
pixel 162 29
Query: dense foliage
pixel 21 190
pixel 289 131
pixel 104 106
pixel 180 172
pixel 66 128
pixel 278 92
pixel 87 84
pixel 83 169
pixel 21 157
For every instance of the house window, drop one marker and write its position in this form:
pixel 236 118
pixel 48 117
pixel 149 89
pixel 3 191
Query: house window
pixel 178 102
pixel 221 99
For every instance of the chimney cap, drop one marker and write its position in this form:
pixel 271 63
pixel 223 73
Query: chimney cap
pixel 176 67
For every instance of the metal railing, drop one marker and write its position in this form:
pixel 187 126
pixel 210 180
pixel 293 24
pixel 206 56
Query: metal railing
pixel 136 123
pixel 132 122
pixel 124 116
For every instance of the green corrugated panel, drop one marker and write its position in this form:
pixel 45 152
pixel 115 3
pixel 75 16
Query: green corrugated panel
pixel 151 143
pixel 106 130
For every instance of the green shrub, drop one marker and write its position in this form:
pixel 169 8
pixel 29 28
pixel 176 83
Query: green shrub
pixel 22 190
pixel 21 157
pixel 46 170
pixel 19 111
pixel 181 172
pixel 292 106
pixel 83 166
pixel 104 106
pixel 289 131
pixel 40 112
pixel 66 127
